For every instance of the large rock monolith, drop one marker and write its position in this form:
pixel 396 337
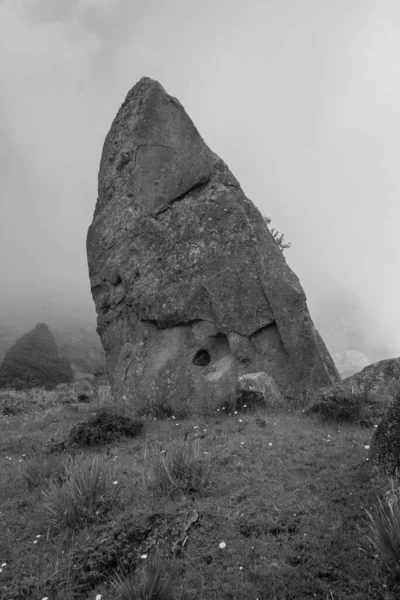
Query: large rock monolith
pixel 190 288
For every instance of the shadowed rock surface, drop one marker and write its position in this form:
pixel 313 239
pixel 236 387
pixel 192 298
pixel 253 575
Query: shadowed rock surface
pixel 379 378
pixel 373 389
pixel 385 443
pixel 190 288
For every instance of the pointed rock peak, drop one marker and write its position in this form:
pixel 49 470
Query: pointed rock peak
pixel 190 287
pixel 153 153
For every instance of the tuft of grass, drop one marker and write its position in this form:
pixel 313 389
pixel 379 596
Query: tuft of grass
pixel 385 527
pixel 87 496
pixel 40 468
pixel 104 428
pixel 162 410
pixel 149 583
pixel 181 469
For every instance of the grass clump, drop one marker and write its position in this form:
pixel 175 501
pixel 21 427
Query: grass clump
pixel 87 496
pixel 149 583
pixel 181 469
pixel 42 467
pixel 385 528
pixel 161 409
pixel 104 428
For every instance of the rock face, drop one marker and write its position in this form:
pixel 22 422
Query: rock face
pixel 375 388
pixel 385 444
pixel 379 377
pixel 190 288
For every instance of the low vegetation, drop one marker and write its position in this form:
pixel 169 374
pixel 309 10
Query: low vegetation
pixel 41 468
pixel 89 493
pixel 181 469
pixel 235 505
pixel 340 405
pixel 149 583
pixel 104 428
pixel 385 527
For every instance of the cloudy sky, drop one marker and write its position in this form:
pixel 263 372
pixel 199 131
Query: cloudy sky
pixel 301 100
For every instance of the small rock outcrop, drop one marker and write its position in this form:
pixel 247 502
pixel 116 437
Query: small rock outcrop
pixel 191 290
pixel 379 378
pixel 364 396
pixel 385 443
pixel 260 387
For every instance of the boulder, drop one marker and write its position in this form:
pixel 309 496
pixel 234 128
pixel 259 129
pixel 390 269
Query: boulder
pixel 385 443
pixel 379 378
pixel 261 388
pixel 190 287
pixel 363 397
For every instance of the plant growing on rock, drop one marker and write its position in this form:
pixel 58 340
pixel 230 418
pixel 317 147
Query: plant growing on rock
pixel 278 238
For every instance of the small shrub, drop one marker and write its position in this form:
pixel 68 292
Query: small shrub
pixel 181 469
pixel 98 555
pixel 87 496
pixel 104 428
pixel 40 468
pixel 385 527
pixel 149 583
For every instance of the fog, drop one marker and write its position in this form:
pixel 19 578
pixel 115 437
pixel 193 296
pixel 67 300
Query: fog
pixel 301 100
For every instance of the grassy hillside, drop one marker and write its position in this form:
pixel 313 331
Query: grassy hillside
pixel 254 505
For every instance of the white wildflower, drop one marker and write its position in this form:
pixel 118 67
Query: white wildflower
pixel 222 545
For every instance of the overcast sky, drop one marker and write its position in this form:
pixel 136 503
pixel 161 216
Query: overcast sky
pixel 301 100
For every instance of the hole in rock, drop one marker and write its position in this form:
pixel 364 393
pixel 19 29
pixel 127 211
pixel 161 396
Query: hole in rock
pixel 202 358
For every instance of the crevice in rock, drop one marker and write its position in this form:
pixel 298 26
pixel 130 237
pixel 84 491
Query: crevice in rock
pixel 201 183
pixel 171 323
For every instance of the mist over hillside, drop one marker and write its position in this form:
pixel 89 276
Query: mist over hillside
pixel 343 320
pixel 71 319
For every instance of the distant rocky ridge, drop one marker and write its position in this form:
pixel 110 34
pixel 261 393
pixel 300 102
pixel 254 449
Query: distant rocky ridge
pixel 80 345
pixel 34 361
pixel 72 324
